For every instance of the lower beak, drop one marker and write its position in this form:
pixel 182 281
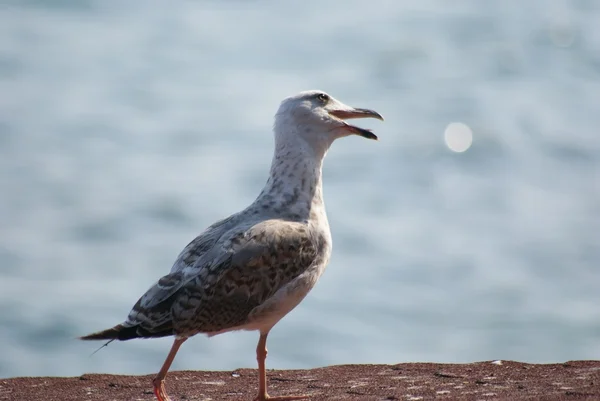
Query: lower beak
pixel 346 114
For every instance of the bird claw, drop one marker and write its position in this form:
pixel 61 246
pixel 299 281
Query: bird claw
pixel 159 390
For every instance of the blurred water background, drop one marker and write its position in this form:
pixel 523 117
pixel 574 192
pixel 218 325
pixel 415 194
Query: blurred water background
pixel 127 127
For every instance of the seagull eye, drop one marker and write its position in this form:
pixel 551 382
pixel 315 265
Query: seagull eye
pixel 323 97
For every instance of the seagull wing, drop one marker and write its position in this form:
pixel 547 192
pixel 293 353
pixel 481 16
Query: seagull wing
pixel 228 281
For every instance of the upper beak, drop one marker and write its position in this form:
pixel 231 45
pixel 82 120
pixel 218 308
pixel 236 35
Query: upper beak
pixel 348 113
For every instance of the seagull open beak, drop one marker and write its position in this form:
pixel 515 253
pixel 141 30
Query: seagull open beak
pixel 346 113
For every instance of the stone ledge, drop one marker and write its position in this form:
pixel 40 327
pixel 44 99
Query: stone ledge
pixel 505 380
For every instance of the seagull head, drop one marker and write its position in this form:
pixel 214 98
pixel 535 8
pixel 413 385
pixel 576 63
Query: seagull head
pixel 319 118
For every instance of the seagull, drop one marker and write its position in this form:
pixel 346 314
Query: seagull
pixel 249 270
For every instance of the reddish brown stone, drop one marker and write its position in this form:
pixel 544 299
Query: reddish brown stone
pixel 578 380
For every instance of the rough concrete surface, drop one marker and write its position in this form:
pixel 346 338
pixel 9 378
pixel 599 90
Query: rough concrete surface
pixel 491 380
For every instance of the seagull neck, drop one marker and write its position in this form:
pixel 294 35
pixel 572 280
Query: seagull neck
pixel 294 187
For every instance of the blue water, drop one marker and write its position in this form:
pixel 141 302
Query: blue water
pixel 127 127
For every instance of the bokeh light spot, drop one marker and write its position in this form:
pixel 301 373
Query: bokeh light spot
pixel 458 137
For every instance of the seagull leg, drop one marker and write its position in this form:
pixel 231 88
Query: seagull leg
pixel 261 356
pixel 159 380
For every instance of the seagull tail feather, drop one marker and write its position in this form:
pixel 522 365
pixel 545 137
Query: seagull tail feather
pixel 119 332
pixel 122 332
